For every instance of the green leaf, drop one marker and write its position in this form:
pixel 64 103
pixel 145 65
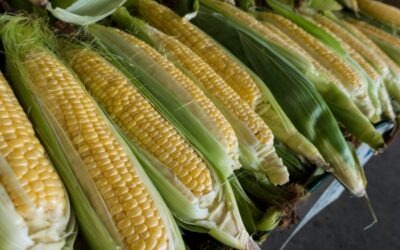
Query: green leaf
pixel 84 12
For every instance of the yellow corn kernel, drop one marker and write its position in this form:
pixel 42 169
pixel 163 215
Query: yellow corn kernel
pixel 46 198
pixel 354 43
pixel 104 156
pixel 373 47
pixel 229 139
pixel 139 120
pixel 213 84
pixel 232 72
pixel 355 85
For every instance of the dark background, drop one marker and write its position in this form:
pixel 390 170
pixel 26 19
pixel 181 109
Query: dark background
pixel 340 226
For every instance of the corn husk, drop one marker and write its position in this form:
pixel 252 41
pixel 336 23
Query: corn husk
pixel 306 108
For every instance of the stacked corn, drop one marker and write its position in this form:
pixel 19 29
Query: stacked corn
pixel 154 120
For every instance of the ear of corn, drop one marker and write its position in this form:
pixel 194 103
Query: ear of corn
pixel 261 155
pixel 333 92
pixel 378 65
pixel 31 189
pixel 312 28
pixel 351 80
pixel 392 80
pixel 380 11
pixel 189 175
pixel 142 123
pixel 374 67
pixel 119 190
pixel 181 101
pixel 251 130
pixel 247 85
pixel 387 42
pixel 351 39
pixel 305 102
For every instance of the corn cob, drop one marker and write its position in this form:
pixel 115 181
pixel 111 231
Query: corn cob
pixel 229 138
pixel 356 44
pixel 274 65
pixel 112 177
pixel 222 94
pixel 351 80
pixel 45 203
pixel 231 71
pixel 142 123
pixel 357 31
pixel 376 33
pixel 130 204
pixel 381 11
pixel 360 64
pixel 271 164
pixel 314 62
pixel 387 42
pixel 392 80
pixel 215 85
pixel 372 47
pixel 153 133
pixel 202 45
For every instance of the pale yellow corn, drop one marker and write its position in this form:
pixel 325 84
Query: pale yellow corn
pixel 373 47
pixel 229 137
pixel 373 31
pixel 318 50
pixel 30 165
pixel 353 82
pixel 129 202
pixel 314 62
pixel 354 43
pixel 381 11
pixel 139 120
pixel 213 84
pixel 232 72
pixel 369 70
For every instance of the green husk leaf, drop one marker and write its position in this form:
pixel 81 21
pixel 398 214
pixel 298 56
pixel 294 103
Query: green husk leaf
pixel 391 50
pixel 325 5
pixel 298 170
pixel 84 12
pixel 248 210
pixel 185 8
pixel 270 220
pixel 306 108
